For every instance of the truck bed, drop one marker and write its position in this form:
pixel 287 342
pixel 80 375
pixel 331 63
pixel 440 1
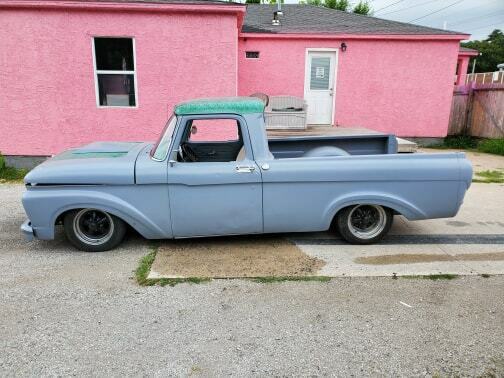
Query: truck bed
pixel 297 146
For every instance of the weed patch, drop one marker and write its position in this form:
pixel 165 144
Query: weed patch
pixel 492 146
pixel 434 277
pixel 496 177
pixel 291 278
pixel 458 142
pixel 489 146
pixel 10 174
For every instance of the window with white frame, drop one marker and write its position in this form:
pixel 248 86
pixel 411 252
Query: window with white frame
pixel 115 74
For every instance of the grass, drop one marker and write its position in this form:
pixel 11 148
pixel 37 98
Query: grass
pixel 489 146
pixel 492 146
pixel 268 280
pixel 10 174
pixel 459 142
pixel 142 273
pixel 495 177
pixel 434 277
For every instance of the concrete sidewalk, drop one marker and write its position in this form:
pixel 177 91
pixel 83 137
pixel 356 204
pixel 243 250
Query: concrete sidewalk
pixel 470 243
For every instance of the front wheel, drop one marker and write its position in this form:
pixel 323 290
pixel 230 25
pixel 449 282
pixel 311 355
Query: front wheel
pixel 93 230
pixel 364 224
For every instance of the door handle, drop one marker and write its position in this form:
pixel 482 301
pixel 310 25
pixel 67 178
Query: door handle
pixel 245 169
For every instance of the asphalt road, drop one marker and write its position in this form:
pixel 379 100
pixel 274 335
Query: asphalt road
pixel 64 312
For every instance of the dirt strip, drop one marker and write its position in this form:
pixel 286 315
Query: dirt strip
pixel 233 257
pixel 423 258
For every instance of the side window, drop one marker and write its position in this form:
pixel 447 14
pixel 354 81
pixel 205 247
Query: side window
pixel 211 140
pixel 214 130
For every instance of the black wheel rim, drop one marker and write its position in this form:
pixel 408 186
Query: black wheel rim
pixel 367 221
pixel 93 226
pixel 365 217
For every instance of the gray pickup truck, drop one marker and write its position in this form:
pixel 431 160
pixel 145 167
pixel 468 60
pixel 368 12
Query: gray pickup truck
pixel 213 171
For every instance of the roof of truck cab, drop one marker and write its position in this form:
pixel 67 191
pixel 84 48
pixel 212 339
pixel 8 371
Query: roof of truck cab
pixel 220 105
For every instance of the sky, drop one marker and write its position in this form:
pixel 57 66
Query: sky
pixel 475 17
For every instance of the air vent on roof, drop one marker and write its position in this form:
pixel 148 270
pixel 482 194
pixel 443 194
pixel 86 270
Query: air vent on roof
pixel 276 20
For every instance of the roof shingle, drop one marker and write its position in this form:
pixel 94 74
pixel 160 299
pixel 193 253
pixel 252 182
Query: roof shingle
pixel 319 20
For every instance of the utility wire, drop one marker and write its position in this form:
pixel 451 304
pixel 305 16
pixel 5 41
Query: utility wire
pixel 413 6
pixel 489 15
pixel 486 26
pixel 424 3
pixel 388 6
pixel 436 11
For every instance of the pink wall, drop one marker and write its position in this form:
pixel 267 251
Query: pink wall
pixel 462 68
pixel 397 86
pixel 46 73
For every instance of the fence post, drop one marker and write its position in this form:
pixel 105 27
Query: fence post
pixel 469 107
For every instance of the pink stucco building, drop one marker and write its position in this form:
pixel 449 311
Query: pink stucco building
pixel 72 72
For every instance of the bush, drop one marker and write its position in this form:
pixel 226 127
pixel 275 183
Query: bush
pixel 9 173
pixel 492 146
pixel 462 142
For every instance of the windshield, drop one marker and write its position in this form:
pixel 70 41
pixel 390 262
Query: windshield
pixel 160 149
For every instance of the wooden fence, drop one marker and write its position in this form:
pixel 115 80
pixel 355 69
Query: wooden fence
pixel 478 110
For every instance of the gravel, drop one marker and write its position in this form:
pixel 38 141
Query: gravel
pixel 65 312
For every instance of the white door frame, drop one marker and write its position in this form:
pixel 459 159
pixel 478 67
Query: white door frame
pixel 335 73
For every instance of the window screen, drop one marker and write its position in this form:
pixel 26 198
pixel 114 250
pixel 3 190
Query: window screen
pixel 319 76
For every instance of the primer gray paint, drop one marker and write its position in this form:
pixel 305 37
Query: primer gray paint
pixel 285 192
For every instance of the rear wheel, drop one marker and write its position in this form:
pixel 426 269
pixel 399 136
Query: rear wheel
pixel 93 230
pixel 364 224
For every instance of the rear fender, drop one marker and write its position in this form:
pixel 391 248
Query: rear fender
pixel 398 204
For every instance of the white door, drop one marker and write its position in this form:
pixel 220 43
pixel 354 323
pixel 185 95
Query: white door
pixel 319 86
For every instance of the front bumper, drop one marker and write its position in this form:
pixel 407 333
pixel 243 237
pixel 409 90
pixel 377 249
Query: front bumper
pixel 27 230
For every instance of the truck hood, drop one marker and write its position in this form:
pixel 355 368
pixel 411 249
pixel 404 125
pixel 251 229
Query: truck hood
pixel 110 163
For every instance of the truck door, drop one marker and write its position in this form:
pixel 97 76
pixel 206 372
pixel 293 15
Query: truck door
pixel 214 184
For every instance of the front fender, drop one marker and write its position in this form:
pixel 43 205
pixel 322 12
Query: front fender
pixel 393 202
pixel 44 206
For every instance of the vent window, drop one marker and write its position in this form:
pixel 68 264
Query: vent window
pixel 252 54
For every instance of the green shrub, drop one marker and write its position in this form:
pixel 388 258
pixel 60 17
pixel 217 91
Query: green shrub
pixel 462 142
pixel 9 173
pixel 492 146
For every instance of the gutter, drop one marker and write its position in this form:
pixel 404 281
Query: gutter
pixel 122 6
pixel 400 37
pixel 468 53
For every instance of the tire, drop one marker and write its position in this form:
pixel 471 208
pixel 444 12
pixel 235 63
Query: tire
pixel 364 224
pixel 93 230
